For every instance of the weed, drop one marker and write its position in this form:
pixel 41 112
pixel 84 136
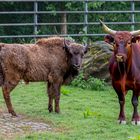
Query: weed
pixel 88 113
pixel 91 83
pixel 65 91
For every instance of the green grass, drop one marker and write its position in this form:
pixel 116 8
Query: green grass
pixel 85 114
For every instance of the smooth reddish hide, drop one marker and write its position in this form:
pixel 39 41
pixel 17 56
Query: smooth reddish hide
pixel 124 67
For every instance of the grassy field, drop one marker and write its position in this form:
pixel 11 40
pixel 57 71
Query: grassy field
pixel 85 114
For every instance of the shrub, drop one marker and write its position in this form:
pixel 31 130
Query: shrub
pixel 91 83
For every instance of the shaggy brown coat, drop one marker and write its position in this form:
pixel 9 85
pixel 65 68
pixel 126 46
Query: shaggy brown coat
pixel 48 60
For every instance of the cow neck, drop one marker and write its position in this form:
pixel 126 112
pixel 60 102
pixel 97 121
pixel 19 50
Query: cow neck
pixel 125 67
pixel 121 68
pixel 129 60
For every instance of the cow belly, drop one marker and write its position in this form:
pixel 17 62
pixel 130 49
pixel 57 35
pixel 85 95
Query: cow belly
pixel 35 75
pixel 128 84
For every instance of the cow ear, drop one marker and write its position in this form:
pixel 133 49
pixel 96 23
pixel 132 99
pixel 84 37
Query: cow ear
pixel 135 39
pixel 109 39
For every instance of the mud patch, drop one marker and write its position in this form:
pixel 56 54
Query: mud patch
pixel 9 126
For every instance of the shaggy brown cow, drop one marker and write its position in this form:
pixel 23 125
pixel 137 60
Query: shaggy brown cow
pixel 54 60
pixel 124 68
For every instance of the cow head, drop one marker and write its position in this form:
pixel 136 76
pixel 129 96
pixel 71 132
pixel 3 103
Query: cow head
pixel 121 41
pixel 76 52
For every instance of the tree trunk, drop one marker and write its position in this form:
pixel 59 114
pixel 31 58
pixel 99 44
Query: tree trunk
pixel 64 26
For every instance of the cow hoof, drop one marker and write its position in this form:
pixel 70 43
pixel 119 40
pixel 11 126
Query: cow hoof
pixel 121 121
pixel 13 113
pixel 57 112
pixel 135 122
pixel 50 109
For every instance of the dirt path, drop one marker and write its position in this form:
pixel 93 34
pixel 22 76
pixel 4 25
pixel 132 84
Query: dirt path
pixel 9 126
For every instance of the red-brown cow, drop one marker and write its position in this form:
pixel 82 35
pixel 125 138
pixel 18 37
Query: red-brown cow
pixel 124 67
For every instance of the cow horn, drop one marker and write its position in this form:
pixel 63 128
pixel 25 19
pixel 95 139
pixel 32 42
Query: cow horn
pixel 135 32
pixel 85 46
pixel 106 29
pixel 66 45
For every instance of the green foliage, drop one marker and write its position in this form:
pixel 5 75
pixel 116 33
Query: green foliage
pixel 54 17
pixel 91 83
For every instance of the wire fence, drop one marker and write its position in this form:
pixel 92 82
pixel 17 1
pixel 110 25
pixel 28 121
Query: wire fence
pixel 36 12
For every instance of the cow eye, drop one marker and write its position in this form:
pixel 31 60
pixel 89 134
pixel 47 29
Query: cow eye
pixel 113 42
pixel 128 44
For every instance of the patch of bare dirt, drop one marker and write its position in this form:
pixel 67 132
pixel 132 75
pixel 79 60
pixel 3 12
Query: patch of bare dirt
pixel 9 126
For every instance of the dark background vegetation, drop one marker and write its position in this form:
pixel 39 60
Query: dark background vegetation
pixel 54 17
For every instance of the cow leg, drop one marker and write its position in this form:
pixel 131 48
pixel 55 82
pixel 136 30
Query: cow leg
pixel 121 117
pixel 50 104
pixel 135 117
pixel 7 88
pixel 53 93
pixel 121 97
pixel 50 95
pixel 57 97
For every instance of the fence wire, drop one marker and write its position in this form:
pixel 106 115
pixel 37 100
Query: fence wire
pixel 36 12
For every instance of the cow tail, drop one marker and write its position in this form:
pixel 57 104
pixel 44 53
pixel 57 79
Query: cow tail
pixel 1 70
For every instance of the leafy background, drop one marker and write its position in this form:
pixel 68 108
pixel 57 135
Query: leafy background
pixel 54 17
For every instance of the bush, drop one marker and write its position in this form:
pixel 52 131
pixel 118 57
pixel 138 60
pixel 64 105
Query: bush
pixel 91 83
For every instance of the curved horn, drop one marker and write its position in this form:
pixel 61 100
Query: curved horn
pixel 106 29
pixel 85 46
pixel 65 43
pixel 135 32
pixel 86 49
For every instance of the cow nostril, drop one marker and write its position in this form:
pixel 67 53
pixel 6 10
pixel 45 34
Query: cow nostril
pixel 76 65
pixel 119 58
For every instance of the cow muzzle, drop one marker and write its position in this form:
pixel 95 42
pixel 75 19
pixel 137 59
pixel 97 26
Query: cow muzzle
pixel 77 67
pixel 120 58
